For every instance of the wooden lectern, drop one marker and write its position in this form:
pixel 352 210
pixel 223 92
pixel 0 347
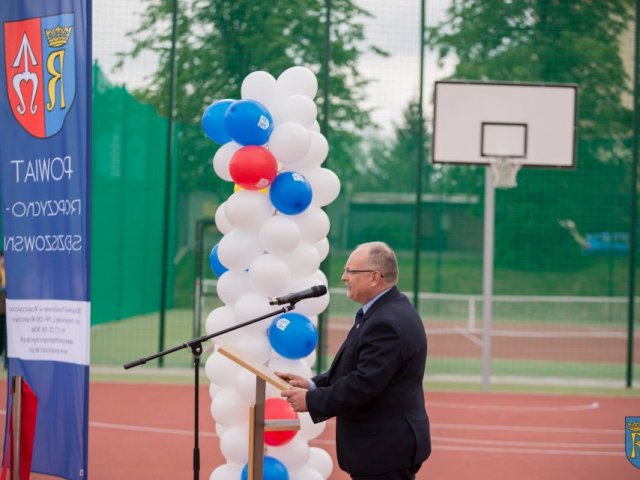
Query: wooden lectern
pixel 257 423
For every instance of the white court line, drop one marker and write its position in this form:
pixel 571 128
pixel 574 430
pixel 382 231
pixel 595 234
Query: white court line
pixel 515 408
pixel 527 447
pixel 523 428
pixel 138 428
pixel 134 428
pixel 530 447
pixel 469 336
pixel 505 448
pixel 515 443
pixel 526 451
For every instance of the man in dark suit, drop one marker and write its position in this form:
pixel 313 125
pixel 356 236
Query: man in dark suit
pixel 374 385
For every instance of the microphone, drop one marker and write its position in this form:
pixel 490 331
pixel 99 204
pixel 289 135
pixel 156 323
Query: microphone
pixel 315 291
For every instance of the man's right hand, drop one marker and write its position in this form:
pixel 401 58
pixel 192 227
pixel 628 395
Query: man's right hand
pixel 294 380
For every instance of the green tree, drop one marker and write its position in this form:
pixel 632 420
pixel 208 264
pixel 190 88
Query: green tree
pixel 550 41
pixel 392 164
pixel 222 41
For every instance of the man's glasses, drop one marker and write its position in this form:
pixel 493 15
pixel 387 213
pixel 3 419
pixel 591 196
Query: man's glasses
pixel 348 271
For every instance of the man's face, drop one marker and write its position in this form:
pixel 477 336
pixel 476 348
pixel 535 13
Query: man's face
pixel 360 285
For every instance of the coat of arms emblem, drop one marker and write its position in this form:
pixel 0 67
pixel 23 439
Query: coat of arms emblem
pixel 40 64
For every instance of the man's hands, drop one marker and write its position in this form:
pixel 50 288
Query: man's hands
pixel 297 396
pixel 294 380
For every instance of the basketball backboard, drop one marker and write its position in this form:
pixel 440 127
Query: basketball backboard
pixel 476 122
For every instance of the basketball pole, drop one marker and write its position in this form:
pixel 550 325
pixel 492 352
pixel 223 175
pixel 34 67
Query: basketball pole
pixel 487 275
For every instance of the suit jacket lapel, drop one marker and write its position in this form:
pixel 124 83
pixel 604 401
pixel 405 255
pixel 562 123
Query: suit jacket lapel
pixel 393 291
pixel 347 341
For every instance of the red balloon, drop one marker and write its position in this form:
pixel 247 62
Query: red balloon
pixel 253 167
pixel 278 409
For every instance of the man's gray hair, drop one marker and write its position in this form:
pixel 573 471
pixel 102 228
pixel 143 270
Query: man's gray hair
pixel 383 259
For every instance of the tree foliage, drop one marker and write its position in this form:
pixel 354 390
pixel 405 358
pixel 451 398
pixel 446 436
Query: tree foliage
pixel 563 41
pixel 221 41
pixel 545 41
pixel 392 165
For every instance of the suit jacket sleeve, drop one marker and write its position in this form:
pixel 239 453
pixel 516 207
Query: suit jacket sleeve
pixel 321 380
pixel 376 363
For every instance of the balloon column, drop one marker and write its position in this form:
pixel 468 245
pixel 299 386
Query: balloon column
pixel 274 239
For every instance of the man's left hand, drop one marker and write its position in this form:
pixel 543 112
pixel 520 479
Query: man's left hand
pixel 297 398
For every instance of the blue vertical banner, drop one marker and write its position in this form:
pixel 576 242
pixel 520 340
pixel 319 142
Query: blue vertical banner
pixel 45 155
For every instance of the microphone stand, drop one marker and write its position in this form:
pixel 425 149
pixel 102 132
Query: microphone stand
pixel 196 349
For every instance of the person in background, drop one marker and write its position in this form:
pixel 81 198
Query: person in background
pixel 374 385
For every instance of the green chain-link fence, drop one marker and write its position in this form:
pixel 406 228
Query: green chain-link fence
pixel 563 238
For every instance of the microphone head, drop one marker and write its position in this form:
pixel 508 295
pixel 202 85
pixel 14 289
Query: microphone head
pixel 319 290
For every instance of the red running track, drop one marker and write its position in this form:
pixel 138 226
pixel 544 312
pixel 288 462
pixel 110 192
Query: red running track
pixel 145 431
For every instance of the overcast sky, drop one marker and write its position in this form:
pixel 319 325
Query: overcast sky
pixel 395 27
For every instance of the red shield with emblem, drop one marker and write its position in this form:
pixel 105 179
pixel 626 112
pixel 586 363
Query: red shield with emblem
pixel 40 71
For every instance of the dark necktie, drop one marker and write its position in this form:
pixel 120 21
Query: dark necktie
pixel 358 320
pixel 356 324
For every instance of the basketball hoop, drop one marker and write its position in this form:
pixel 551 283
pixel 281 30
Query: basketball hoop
pixel 505 170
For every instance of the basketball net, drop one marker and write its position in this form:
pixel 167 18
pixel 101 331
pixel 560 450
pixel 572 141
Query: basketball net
pixel 505 170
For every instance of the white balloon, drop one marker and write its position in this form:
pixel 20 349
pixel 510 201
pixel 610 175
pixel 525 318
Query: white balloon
pixel 279 234
pixel 315 127
pixel 289 142
pixel 320 277
pixel 220 429
pixel 234 445
pixel 310 306
pixel 311 358
pixel 230 409
pixel 221 370
pixel 296 108
pixel 222 158
pixel 219 319
pixel 259 86
pixel 245 384
pixel 304 260
pixel 325 185
pixel 269 275
pixel 323 248
pixel 213 390
pixel 308 429
pixel 251 306
pixel 321 461
pixel 247 209
pixel 254 346
pixel 318 151
pixel 222 223
pixel 298 80
pixel 237 249
pixel 299 367
pixel 228 471
pixel 293 454
pixel 314 224
pixel 306 473
pixel 232 284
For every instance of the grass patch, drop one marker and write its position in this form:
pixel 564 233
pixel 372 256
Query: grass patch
pixel 529 368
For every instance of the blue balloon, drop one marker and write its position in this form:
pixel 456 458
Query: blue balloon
pixel 293 335
pixel 213 121
pixel 290 193
pixel 248 122
pixel 273 469
pixel 214 262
